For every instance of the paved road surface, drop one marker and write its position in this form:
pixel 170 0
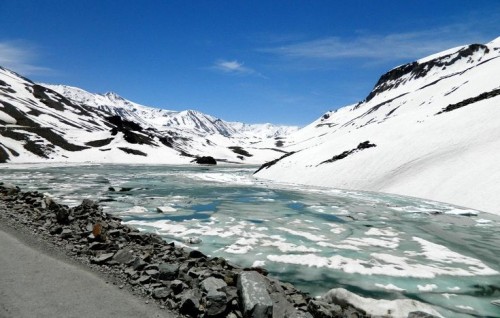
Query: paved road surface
pixel 34 284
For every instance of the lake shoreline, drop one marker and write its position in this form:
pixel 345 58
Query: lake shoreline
pixel 177 279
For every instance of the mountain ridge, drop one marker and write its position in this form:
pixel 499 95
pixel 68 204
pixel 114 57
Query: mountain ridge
pixel 435 123
pixel 57 123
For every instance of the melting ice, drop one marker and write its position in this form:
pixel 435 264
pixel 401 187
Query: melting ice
pixel 376 245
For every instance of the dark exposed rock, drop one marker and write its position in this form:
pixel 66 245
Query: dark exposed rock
pixel 123 123
pixel 414 70
pixel 178 286
pixel 471 100
pixel 361 146
pixel 196 254
pixel 420 314
pixel 62 214
pixel 168 271
pixel 205 160
pixel 269 164
pixel 216 303
pixel 190 302
pixel 240 151
pixel 133 151
pixel 4 155
pixel 321 309
pixel 99 143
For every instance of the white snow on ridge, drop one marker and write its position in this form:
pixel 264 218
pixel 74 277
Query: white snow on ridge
pixel 76 128
pixel 161 118
pixel 450 157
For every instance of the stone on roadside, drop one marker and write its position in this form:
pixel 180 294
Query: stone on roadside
pixel 161 293
pixel 190 303
pixel 254 296
pixel 168 271
pixel 212 284
pixel 178 286
pixel 62 215
pixel 10 189
pixel 216 303
pixel 196 254
pixel 322 309
pixel 66 233
pixel 138 264
pixel 101 259
pixel 124 256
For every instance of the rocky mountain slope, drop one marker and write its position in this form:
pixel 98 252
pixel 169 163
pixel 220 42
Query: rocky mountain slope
pixel 429 129
pixel 56 123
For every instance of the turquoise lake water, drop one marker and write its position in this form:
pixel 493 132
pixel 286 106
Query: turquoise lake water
pixel 377 245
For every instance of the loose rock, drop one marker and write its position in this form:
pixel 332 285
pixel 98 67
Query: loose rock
pixel 255 299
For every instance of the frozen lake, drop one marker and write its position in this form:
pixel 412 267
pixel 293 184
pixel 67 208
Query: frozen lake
pixel 377 245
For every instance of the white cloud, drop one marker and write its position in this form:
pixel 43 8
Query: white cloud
pixel 409 45
pixel 233 67
pixel 20 57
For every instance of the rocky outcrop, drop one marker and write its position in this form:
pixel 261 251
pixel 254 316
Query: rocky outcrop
pixel 345 154
pixel 205 160
pixel 469 101
pixel 273 162
pixel 415 70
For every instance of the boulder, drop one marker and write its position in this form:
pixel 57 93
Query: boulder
pixel 168 271
pixel 62 214
pixel 190 303
pixel 205 160
pixel 178 286
pixel 252 288
pixel 10 189
pixel 196 254
pixel 216 303
pixel 161 293
pixel 124 256
pixel 377 307
pixel 212 284
pixel 101 259
pixel 66 233
pixel 322 309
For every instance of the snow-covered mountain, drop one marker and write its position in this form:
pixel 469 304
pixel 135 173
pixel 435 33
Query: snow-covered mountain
pixel 429 129
pixel 41 122
pixel 191 120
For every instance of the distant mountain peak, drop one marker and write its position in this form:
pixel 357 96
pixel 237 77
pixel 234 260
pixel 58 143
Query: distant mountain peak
pixel 113 95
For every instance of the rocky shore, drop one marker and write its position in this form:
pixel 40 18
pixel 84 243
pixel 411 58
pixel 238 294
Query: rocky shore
pixel 177 278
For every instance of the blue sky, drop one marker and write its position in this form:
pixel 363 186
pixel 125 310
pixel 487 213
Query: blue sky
pixel 284 62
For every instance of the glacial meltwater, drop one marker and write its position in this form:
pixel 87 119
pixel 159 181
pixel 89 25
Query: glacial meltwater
pixel 377 245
